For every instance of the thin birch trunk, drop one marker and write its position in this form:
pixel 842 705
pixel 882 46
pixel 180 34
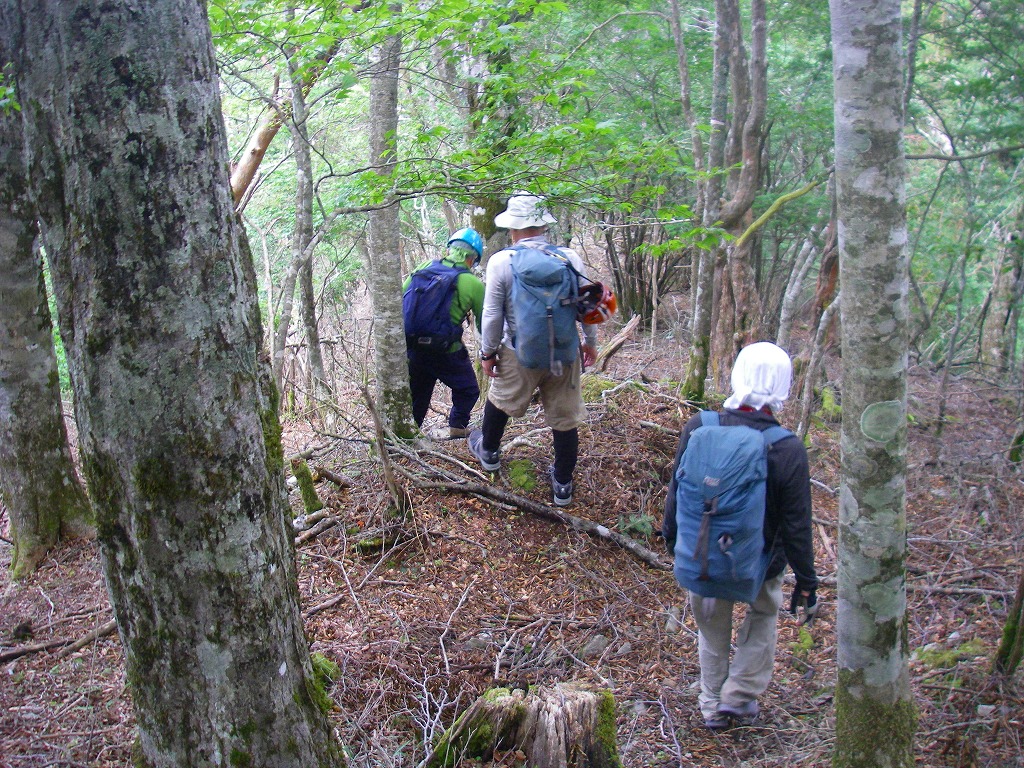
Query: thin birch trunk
pixel 384 267
pixel 811 373
pixel 302 236
pixel 875 712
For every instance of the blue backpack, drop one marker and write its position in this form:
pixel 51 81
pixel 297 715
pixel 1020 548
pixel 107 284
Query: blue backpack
pixel 427 308
pixel 720 503
pixel 545 294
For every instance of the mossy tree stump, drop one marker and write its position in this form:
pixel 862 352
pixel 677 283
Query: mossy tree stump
pixel 566 725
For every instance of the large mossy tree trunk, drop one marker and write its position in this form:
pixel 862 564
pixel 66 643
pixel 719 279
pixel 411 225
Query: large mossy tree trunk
pixel 38 483
pixel 875 713
pixel 175 403
pixel 566 725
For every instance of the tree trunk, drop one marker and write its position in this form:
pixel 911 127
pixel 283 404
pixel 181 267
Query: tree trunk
pixel 703 288
pixel 270 123
pixel 737 127
pixel 875 713
pixel 1000 317
pixel 176 408
pixel 813 365
pixel 564 726
pixel 38 483
pixel 805 259
pixel 740 316
pixel 384 268
pixel 1011 646
pixel 302 236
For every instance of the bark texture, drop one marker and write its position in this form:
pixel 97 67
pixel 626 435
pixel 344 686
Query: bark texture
pixel 384 267
pixel 564 726
pixel 38 483
pixel 875 714
pixel 176 408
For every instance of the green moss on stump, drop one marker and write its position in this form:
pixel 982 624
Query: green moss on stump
pixel 607 731
pixel 943 658
pixel 831 410
pixel 325 672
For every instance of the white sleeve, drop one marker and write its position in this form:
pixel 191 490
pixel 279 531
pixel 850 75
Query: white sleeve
pixel 492 324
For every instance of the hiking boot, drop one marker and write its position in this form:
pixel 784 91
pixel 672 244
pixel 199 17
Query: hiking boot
pixel 717 722
pixel 742 714
pixel 489 460
pixel 455 433
pixel 560 492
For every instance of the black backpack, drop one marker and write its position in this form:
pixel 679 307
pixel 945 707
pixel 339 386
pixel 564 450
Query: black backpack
pixel 426 308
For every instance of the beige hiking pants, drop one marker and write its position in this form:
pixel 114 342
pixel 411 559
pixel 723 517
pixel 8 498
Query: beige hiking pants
pixel 748 675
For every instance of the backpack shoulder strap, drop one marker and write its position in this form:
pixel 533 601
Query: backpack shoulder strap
pixel 709 419
pixel 772 435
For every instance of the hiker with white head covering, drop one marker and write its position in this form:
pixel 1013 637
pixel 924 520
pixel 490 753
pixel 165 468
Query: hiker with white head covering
pixel 729 690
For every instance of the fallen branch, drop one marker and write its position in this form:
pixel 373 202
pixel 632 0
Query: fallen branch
pixel 615 344
pixel 339 480
pixel 316 530
pixel 659 428
pixel 72 645
pixel 107 629
pixel 583 525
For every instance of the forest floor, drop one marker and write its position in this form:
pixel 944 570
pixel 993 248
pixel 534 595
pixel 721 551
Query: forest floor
pixel 476 593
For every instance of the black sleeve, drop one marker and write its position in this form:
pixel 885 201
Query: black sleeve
pixel 789 490
pixel 668 522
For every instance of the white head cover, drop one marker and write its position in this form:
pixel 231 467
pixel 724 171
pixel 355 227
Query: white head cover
pixel 760 377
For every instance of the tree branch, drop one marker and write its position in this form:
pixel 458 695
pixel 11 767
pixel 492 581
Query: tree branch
pixel 583 525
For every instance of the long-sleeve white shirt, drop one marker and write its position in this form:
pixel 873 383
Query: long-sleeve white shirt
pixel 499 322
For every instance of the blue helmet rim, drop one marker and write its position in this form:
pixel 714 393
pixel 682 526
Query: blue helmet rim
pixel 470 237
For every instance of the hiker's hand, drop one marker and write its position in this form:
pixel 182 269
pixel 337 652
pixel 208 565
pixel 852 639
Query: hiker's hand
pixel 589 355
pixel 490 367
pixel 805 601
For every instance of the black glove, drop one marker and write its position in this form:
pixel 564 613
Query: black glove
pixel 806 599
pixel 670 547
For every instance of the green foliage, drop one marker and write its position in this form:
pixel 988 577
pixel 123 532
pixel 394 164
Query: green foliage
pixel 1017 448
pixel 8 96
pixel 831 410
pixel 58 342
pixel 521 474
pixel 804 643
pixel 593 386
pixel 325 672
pixel 637 524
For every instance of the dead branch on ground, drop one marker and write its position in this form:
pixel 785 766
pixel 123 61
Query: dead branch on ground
pixel 581 524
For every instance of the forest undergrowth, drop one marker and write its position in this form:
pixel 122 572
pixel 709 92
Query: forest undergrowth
pixel 468 593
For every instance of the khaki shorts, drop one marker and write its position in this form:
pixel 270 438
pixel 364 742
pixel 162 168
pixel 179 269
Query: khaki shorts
pixel 514 386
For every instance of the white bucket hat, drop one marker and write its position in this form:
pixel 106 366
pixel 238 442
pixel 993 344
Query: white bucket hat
pixel 523 211
pixel 761 376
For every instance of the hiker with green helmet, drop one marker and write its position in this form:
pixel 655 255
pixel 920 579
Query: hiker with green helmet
pixel 437 298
